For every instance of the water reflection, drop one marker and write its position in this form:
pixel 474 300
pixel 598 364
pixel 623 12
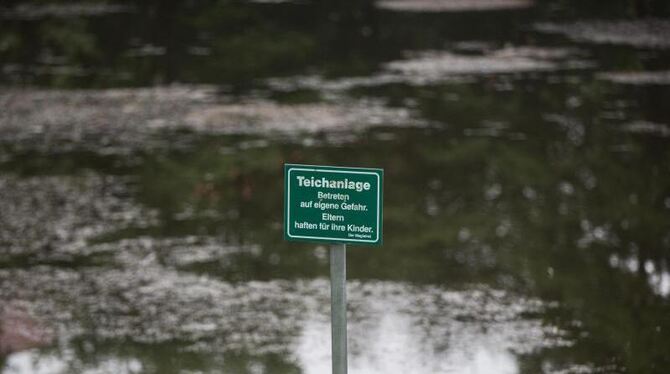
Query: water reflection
pixel 28 362
pixel 657 274
pixel 395 341
pixel 35 363
pixel 394 327
pixel 452 6
pixel 526 214
pixel 645 33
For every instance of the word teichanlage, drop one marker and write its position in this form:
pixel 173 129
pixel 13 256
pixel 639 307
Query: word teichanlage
pixel 333 204
pixel 345 184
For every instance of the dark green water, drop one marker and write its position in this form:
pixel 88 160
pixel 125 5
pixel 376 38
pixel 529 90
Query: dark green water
pixel 527 186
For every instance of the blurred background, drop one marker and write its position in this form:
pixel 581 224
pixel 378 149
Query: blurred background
pixel 526 152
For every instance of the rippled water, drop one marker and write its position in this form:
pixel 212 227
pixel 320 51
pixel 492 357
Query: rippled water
pixel 527 200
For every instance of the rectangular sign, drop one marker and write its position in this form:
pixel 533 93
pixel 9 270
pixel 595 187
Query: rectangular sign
pixel 333 204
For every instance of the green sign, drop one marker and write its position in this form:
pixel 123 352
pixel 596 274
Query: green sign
pixel 333 204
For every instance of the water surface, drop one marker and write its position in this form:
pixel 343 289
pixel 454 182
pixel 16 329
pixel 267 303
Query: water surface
pixel 527 200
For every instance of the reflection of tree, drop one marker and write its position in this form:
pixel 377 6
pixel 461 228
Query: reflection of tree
pixel 54 47
pixel 502 214
pixel 232 42
pixel 514 188
pixel 614 200
pixel 544 213
pixel 83 354
pixel 541 215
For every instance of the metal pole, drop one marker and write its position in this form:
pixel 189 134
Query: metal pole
pixel 338 307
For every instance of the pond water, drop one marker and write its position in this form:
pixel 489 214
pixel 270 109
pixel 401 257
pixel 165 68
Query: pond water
pixel 526 149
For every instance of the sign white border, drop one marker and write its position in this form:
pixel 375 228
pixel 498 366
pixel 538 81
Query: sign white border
pixel 288 205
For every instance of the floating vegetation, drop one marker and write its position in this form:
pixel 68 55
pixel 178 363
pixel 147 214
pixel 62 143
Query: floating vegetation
pixel 452 5
pixel 273 1
pixel 123 120
pixel 434 67
pixel 643 33
pixel 660 77
pixel 425 327
pixel 179 252
pixel 48 217
pixel 61 10
pixel 267 117
pixel 107 122
pixel 646 127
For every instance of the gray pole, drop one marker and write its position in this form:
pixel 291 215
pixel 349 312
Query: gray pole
pixel 338 307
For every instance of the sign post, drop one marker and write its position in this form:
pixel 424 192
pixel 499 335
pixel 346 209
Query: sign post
pixel 338 307
pixel 334 205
